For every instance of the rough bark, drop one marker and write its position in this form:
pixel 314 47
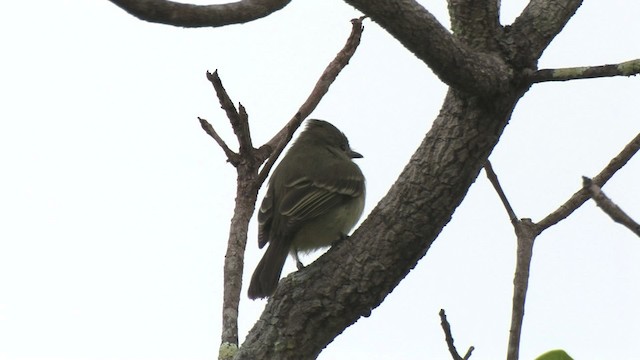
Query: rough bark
pixel 455 63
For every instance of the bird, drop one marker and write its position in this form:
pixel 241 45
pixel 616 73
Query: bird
pixel 315 197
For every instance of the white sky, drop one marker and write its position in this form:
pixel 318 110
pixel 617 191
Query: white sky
pixel 115 205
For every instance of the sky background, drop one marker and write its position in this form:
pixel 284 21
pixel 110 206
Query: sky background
pixel 115 205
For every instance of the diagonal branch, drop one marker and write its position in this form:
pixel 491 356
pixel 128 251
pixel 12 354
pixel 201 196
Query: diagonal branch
pixel 189 15
pixel 627 68
pixel 609 207
pixel 232 156
pixel 493 178
pixel 539 23
pixel 450 59
pixel 582 195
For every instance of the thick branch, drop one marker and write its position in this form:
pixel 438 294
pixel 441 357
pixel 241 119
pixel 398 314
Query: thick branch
pixel 609 207
pixel 189 15
pixel 311 306
pixel 582 195
pixel 475 22
pixel 539 23
pixel 452 60
pixel 627 68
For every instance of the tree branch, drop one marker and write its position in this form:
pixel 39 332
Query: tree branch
pixel 627 68
pixel 239 119
pixel 247 166
pixel 449 338
pixel 450 59
pixel 526 233
pixel 493 178
pixel 475 22
pixel 311 306
pixel 609 207
pixel 232 156
pixel 582 195
pixel 189 15
pixel 538 25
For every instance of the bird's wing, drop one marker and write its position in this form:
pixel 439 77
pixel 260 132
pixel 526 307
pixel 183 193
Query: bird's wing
pixel 307 198
pixel 265 218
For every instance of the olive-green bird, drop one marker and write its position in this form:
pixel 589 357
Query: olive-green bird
pixel 315 197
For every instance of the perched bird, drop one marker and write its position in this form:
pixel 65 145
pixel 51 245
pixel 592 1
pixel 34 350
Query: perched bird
pixel 315 197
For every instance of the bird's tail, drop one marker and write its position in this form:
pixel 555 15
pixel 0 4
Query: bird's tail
pixel 265 278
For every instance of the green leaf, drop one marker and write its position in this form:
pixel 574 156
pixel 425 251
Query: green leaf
pixel 555 355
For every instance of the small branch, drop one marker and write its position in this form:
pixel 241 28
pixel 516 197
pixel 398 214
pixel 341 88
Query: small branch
pixel 493 178
pixel 468 354
pixel 276 145
pixel 581 196
pixel 189 15
pixel 609 207
pixel 526 232
pixel 239 119
pixel 232 156
pixel 449 338
pixel 628 68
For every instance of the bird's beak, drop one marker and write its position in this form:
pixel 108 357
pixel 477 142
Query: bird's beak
pixel 354 155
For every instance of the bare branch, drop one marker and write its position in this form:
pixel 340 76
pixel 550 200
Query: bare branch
pixel 539 23
pixel 239 120
pixel 468 354
pixel 493 178
pixel 276 145
pixel 449 338
pixel 189 15
pixel 609 207
pixel 582 195
pixel 453 61
pixel 232 156
pixel 526 232
pixel 627 68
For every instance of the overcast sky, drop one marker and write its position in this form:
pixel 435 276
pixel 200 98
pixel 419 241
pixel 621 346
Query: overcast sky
pixel 115 205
